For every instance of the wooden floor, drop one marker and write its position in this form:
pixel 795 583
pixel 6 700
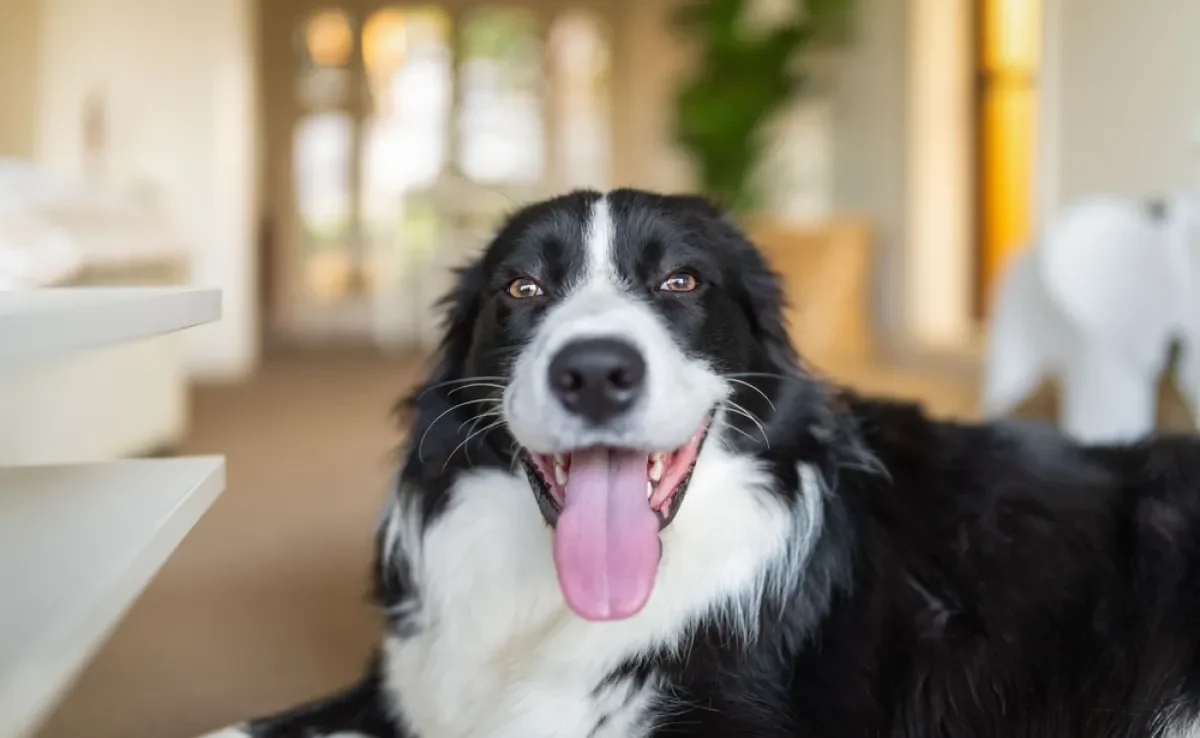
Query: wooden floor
pixel 265 603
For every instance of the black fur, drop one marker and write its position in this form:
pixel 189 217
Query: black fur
pixel 990 580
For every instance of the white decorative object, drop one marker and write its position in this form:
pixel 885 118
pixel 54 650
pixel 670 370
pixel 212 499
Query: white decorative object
pixel 1097 301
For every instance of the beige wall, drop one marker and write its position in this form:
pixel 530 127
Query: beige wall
pixel 1128 97
pixel 19 21
pixel 869 142
pixel 178 80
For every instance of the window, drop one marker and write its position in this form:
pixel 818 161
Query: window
pixel 500 122
pixel 321 165
pixel 325 47
pixel 408 63
pixel 410 130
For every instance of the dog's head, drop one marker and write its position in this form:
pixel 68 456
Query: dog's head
pixel 601 344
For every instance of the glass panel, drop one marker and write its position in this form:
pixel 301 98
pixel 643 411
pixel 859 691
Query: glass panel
pixel 501 133
pixel 580 51
pixel 409 66
pixel 328 39
pixel 321 150
pixel 325 45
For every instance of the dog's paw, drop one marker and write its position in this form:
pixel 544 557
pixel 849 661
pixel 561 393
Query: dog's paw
pixel 237 732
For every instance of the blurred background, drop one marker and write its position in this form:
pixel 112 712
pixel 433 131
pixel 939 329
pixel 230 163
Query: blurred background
pixel 325 163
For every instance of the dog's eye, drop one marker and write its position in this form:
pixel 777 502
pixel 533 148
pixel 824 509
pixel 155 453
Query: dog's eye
pixel 523 288
pixel 679 282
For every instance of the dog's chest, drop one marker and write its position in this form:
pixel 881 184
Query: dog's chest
pixel 493 651
pixel 489 649
pixel 459 689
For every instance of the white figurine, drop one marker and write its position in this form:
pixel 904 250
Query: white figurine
pixel 1097 301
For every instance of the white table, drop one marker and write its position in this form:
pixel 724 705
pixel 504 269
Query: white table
pixel 79 542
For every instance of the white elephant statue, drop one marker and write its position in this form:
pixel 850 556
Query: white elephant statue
pixel 1097 301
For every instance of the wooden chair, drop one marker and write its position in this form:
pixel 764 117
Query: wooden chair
pixel 826 272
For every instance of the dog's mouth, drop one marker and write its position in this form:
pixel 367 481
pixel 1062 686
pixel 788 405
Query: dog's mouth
pixel 607 506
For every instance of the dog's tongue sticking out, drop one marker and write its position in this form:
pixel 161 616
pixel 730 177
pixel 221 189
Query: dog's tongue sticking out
pixel 606 541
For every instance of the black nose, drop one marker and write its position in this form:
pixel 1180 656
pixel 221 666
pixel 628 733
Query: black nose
pixel 597 378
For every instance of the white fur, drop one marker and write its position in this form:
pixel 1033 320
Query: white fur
pixel 680 390
pixel 600 235
pixel 242 733
pixel 1176 725
pixel 502 656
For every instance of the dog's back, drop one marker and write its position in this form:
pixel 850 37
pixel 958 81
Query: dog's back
pixel 1011 583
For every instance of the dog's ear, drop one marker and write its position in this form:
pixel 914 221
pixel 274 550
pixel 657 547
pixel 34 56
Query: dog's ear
pixel 460 307
pixel 759 289
pixel 766 304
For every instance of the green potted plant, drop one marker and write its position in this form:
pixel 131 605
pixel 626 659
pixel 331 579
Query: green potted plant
pixel 743 77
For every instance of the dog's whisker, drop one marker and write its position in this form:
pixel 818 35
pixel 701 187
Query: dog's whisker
pixel 421 444
pixel 738 409
pixel 478 419
pixel 473 378
pixel 486 385
pixel 744 433
pixel 460 380
pixel 770 375
pixel 467 440
pixel 474 420
pixel 756 389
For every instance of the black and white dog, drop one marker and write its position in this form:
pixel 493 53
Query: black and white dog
pixel 628 511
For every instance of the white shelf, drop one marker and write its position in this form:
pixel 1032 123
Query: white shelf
pixel 38 323
pixel 78 543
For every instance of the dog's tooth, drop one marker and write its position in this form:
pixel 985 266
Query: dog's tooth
pixel 649 490
pixel 560 475
pixel 560 459
pixel 656 469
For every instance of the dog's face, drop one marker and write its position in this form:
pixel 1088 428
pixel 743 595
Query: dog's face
pixel 613 337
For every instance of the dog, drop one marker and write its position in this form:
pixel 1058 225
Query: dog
pixel 628 509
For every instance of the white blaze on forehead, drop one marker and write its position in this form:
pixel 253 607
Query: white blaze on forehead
pixel 603 303
pixel 598 239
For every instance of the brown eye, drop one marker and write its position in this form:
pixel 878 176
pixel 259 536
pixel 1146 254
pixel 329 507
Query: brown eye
pixel 678 282
pixel 524 288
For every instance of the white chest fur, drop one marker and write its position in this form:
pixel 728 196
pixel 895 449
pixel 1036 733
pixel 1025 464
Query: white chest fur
pixel 497 654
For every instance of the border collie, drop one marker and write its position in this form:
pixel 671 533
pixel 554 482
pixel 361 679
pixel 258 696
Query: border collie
pixel 628 510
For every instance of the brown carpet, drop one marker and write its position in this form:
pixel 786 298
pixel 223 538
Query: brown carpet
pixel 265 603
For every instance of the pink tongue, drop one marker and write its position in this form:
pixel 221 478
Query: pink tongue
pixel 606 541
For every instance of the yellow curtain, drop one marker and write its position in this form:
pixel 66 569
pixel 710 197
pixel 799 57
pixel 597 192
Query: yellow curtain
pixel 1009 56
